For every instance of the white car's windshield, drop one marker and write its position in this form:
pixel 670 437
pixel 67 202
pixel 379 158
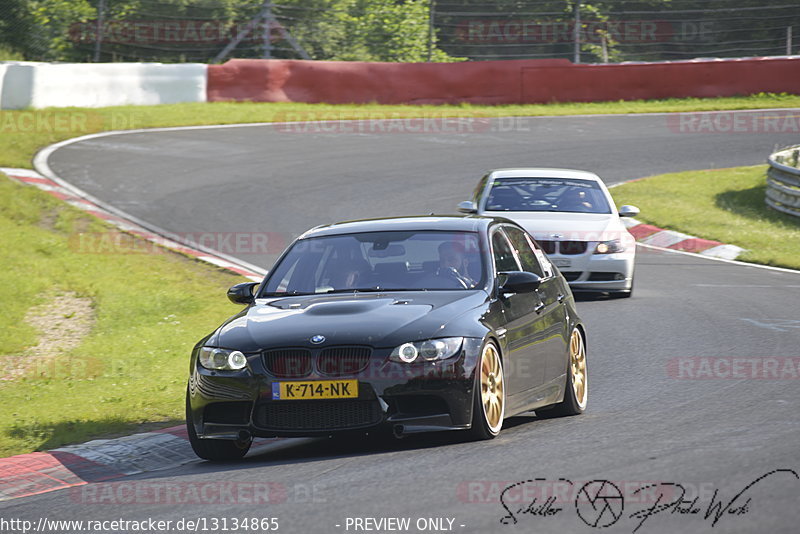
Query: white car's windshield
pixel 379 261
pixel 547 194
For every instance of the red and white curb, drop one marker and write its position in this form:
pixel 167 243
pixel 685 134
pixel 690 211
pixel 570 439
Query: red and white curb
pixel 658 237
pixel 125 224
pixel 103 460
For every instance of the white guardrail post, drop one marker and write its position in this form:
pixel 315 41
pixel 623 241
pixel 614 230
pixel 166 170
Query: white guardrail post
pixel 783 181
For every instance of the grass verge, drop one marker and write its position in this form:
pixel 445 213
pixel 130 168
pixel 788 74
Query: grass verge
pixel 725 205
pixel 130 370
pixel 24 132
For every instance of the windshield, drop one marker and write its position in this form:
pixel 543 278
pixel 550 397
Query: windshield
pixel 378 261
pixel 547 194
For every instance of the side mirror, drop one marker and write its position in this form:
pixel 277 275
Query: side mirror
pixel 628 211
pixel 467 206
pixel 242 293
pixel 519 282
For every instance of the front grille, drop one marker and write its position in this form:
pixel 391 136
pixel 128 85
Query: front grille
pixel 604 276
pixel 571 276
pixel 228 413
pixel 317 414
pixel 548 246
pixel 343 361
pixel 288 363
pixel 572 247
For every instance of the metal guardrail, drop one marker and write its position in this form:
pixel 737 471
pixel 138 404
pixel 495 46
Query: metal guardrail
pixel 783 181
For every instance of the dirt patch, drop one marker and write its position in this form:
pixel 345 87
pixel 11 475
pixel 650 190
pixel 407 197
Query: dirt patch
pixel 63 323
pixel 48 218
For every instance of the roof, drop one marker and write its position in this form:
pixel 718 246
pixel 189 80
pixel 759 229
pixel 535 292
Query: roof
pixel 451 223
pixel 542 172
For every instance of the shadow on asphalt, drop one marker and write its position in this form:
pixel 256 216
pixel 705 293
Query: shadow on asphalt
pixel 304 450
pixel 592 296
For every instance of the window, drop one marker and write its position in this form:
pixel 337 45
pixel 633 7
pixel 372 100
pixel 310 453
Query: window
pixel 525 252
pixel 547 194
pixel 379 261
pixel 504 259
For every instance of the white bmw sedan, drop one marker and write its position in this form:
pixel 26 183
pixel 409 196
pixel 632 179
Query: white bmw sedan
pixel 572 216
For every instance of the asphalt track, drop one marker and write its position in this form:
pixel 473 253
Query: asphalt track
pixel 646 423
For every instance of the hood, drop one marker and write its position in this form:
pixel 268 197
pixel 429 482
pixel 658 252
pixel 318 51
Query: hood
pixel 570 226
pixel 380 320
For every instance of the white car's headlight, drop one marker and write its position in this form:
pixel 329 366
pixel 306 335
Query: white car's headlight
pixel 428 350
pixel 609 247
pixel 222 359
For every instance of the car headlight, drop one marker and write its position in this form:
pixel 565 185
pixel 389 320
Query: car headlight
pixel 428 350
pixel 609 247
pixel 222 359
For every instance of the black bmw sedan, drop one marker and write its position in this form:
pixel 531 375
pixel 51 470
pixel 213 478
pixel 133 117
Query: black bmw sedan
pixel 408 325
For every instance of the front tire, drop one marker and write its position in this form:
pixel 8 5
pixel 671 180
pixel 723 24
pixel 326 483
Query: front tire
pixel 576 389
pixel 215 450
pixel 489 398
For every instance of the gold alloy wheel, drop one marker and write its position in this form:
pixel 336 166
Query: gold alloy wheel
pixel 577 358
pixel 492 388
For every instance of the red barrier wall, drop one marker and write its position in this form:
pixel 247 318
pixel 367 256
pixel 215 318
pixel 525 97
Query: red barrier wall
pixel 494 82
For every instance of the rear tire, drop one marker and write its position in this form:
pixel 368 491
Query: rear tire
pixel 215 450
pixel 489 397
pixel 576 389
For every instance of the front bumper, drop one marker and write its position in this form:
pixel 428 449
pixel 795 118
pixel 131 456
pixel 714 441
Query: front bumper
pixel 422 397
pixel 597 272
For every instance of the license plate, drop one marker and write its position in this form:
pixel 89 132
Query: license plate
pixel 315 389
pixel 562 263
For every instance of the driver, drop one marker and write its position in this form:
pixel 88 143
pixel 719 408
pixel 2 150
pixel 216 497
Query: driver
pixel 575 200
pixel 453 263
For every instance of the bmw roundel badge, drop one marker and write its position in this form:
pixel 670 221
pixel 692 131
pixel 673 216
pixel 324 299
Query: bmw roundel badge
pixel 317 339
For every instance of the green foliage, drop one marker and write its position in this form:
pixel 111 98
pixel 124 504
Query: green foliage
pixel 363 30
